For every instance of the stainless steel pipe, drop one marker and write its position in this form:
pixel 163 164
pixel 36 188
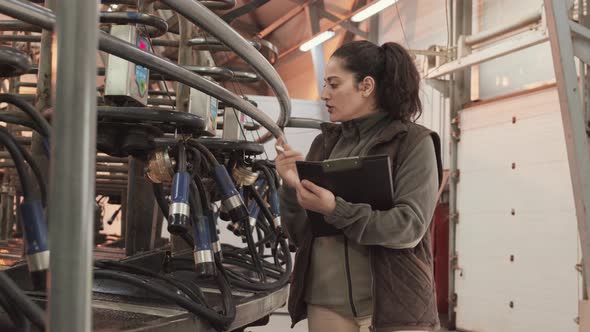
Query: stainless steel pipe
pixel 44 18
pixel 214 25
pixel 72 171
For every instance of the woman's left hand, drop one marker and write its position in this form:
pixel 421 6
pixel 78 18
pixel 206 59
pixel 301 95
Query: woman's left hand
pixel 315 198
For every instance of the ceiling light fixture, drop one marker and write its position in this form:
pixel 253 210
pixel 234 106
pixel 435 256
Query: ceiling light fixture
pixel 372 10
pixel 317 40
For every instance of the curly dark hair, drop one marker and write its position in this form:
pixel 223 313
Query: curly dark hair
pixel 396 76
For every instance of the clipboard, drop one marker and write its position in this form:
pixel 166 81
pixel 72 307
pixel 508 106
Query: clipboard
pixel 356 180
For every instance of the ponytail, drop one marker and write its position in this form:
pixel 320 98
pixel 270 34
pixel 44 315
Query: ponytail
pixel 400 85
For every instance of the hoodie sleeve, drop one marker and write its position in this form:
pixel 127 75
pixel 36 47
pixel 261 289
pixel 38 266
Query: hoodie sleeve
pixel 404 225
pixel 293 215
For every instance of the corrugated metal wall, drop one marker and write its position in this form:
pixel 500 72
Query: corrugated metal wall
pixel 517 239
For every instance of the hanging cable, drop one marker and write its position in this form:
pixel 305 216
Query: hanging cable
pixel 32 164
pixel 42 124
pixel 21 301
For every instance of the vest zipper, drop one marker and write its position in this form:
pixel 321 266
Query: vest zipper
pixel 348 278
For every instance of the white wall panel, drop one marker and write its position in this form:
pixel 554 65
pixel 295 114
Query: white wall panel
pixel 526 212
pixel 521 70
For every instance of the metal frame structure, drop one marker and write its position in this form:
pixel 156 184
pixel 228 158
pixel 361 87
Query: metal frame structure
pixel 73 164
pixel 569 39
pixel 459 95
pixel 73 168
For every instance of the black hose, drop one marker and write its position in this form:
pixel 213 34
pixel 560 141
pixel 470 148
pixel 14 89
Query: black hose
pixel 21 323
pixel 159 25
pixel 216 320
pixel 43 125
pixel 198 163
pixel 33 165
pixel 195 294
pixel 252 248
pixel 18 298
pixel 198 187
pixel 282 281
pixel 160 198
pixel 260 236
pixel 248 261
pixel 37 172
pixel 248 265
pixel 19 162
pixel 17 120
pixel 225 288
pixel 204 151
pixel 265 211
pixel 269 171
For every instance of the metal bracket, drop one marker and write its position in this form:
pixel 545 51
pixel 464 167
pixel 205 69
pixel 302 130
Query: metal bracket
pixel 456 175
pixel 439 85
pixel 456 128
pixel 454 300
pixel 454 218
pixel 455 262
pixel 561 29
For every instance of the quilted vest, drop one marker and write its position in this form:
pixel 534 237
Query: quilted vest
pixel 404 294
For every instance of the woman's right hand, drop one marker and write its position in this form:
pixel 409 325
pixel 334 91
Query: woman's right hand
pixel 285 164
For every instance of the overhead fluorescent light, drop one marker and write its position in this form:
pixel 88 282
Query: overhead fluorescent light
pixel 372 10
pixel 317 40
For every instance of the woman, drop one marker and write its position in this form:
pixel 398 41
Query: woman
pixel 378 271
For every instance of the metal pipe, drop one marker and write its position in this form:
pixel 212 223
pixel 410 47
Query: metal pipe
pixel 13 25
pixel 459 94
pixel 26 84
pixel 200 15
pixel 211 4
pixel 161 102
pixel 245 77
pixel 35 70
pixel 44 90
pixel 72 171
pixel 129 52
pixel 42 17
pixel 99 160
pixel 111 182
pixel 20 38
pixel 109 159
pixel 158 26
pixel 304 123
pixel 266 48
pixel 214 45
pixel 112 177
pixel 165 42
pixel 185 57
pixel 111 168
pixel 217 73
pixel 486 35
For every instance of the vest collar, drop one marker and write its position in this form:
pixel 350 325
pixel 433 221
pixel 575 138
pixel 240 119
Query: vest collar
pixel 332 131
